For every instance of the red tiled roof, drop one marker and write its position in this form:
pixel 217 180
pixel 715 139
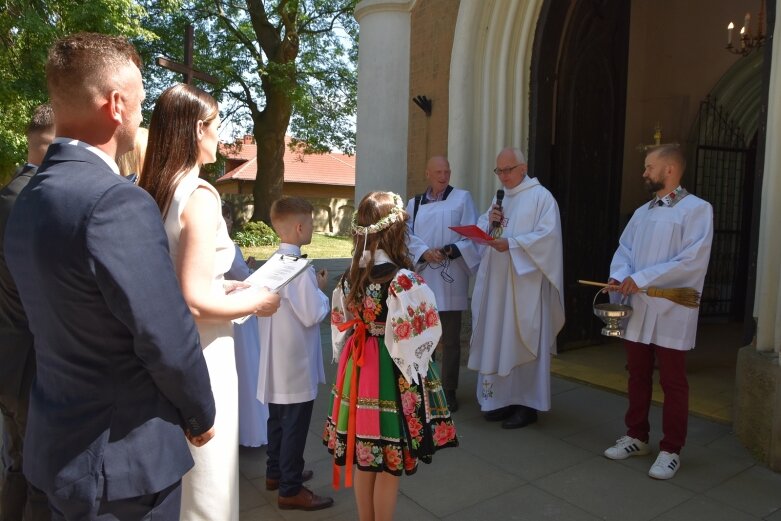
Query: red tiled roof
pixel 329 169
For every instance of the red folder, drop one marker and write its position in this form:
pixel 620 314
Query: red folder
pixel 472 232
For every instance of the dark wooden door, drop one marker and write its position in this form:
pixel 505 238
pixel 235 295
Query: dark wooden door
pixel 579 74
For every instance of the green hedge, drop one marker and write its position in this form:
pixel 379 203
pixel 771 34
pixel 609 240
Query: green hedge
pixel 255 233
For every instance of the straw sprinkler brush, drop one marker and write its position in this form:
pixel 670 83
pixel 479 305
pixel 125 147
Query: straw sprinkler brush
pixel 688 297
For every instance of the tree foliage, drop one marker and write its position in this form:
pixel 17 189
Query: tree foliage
pixel 280 64
pixel 27 29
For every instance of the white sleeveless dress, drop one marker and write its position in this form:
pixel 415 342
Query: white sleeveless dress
pixel 210 491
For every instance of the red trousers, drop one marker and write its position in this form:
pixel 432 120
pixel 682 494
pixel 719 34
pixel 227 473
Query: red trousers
pixel 672 377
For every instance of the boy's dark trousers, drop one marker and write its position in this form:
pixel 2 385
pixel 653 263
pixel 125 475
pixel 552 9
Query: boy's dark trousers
pixel 288 425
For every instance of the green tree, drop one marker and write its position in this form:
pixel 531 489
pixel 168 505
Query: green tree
pixel 27 29
pixel 280 64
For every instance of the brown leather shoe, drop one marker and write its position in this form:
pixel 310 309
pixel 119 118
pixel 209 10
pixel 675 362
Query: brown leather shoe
pixel 273 484
pixel 304 500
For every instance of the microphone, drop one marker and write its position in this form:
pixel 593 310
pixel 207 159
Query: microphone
pixel 499 199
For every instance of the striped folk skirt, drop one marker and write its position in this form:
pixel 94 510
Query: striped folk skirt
pixel 390 424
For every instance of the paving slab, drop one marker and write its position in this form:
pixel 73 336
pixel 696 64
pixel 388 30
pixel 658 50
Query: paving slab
pixel 704 509
pixel 456 480
pixel 757 491
pixel 528 453
pixel 613 492
pixel 524 503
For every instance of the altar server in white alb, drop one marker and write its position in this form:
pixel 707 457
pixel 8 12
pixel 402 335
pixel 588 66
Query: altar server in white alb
pixel 666 244
pixel 445 259
pixel 291 362
pixel 518 300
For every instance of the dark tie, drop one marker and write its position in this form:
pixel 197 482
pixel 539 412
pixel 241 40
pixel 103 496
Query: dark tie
pixel 659 203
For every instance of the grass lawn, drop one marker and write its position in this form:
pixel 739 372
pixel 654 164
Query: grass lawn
pixel 322 247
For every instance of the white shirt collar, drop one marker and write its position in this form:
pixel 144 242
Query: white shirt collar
pixel 289 249
pixel 98 152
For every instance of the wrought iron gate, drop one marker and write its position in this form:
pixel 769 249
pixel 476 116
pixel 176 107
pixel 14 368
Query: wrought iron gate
pixel 723 175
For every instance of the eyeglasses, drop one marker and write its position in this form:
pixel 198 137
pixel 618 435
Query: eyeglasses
pixel 500 171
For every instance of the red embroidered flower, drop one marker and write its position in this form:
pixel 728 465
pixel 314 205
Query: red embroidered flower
pixel 404 282
pixel 402 330
pixel 392 457
pixel 432 318
pixel 410 311
pixel 409 401
pixel 363 454
pixel 337 317
pixel 331 439
pixel 368 302
pixel 415 427
pixel 417 324
pixel 443 433
pixel 409 462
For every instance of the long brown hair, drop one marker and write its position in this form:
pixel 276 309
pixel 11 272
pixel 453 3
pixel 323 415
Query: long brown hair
pixel 393 240
pixel 172 148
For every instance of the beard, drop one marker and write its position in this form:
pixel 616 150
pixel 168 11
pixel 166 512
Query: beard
pixel 653 186
pixel 126 138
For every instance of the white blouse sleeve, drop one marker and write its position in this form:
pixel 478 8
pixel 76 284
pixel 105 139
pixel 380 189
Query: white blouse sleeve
pixel 412 328
pixel 339 315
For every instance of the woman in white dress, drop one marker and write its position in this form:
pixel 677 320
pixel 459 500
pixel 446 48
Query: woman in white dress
pixel 182 138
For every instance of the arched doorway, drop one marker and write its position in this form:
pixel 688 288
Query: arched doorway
pixel 723 163
pixel 578 103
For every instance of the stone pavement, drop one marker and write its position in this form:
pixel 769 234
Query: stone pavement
pixel 553 470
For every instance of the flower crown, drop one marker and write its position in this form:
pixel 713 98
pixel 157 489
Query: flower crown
pixel 395 215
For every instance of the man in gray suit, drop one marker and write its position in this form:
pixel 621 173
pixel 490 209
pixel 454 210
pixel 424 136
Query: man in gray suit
pixel 17 360
pixel 120 377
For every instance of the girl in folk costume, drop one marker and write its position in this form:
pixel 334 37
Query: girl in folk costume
pixel 385 326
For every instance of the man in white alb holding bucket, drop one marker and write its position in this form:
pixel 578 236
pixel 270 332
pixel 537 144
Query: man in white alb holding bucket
pixel 666 244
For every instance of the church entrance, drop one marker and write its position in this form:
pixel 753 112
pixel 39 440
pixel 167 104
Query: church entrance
pixel 723 168
pixel 578 104
pixel 591 112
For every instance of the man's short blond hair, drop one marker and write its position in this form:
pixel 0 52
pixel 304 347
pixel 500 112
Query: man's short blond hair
pixel 83 62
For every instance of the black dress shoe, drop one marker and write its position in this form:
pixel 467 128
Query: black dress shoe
pixel 522 417
pixel 452 401
pixel 500 414
pixel 273 484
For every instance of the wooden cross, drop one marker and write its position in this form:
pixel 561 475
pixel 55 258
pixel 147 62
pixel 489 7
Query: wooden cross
pixel 186 68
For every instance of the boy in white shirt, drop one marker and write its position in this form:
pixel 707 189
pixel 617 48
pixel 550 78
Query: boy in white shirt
pixel 291 362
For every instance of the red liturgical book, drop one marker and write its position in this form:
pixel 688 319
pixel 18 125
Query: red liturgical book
pixel 472 232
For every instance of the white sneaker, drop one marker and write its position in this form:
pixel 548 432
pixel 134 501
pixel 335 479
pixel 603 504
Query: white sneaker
pixel 627 446
pixel 665 466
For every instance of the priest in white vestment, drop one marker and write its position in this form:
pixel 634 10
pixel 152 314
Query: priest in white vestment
pixel 444 259
pixel 666 244
pixel 518 300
